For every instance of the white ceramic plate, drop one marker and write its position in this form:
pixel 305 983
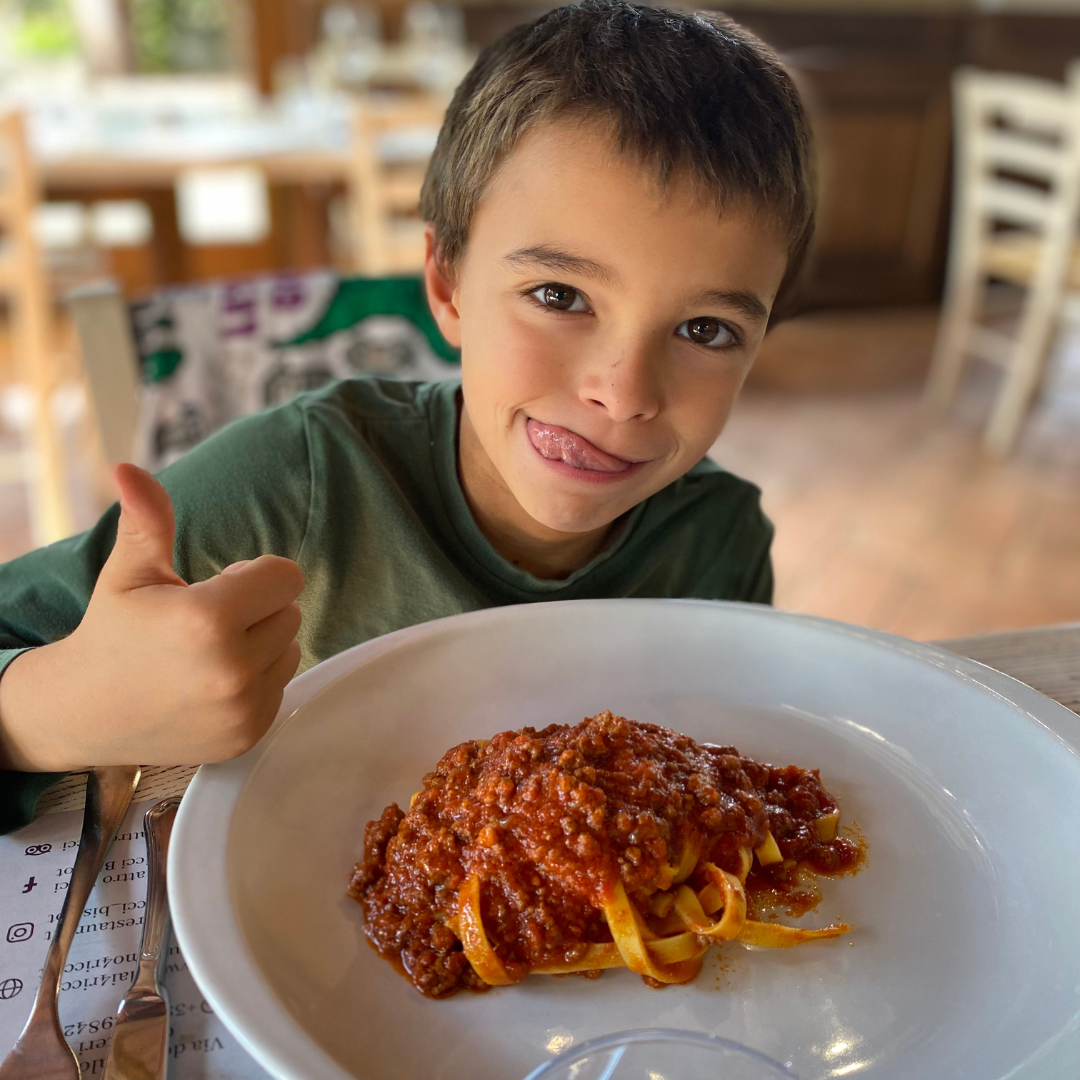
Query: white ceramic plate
pixel 965 964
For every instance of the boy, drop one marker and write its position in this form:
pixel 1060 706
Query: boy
pixel 617 196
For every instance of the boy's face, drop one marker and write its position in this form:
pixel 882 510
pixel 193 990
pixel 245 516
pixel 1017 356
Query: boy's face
pixel 605 327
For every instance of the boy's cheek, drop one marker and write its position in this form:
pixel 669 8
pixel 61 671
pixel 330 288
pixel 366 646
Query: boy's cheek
pixel 514 363
pixel 698 410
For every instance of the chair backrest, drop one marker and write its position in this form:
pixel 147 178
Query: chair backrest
pixel 103 329
pixel 392 142
pixel 1017 164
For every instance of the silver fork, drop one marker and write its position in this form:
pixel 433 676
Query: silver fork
pixel 41 1052
pixel 140 1040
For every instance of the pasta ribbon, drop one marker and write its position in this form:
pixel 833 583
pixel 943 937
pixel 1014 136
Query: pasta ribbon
pixel 660 904
pixel 668 950
pixel 622 919
pixel 774 936
pixel 712 896
pixel 689 908
pixel 469 927
pixel 691 852
pixel 826 826
pixel 746 860
pixel 688 860
pixel 596 958
pixel 768 851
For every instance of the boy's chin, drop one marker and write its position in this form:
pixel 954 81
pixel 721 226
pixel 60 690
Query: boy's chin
pixel 571 515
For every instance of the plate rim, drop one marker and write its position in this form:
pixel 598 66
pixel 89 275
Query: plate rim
pixel 199 871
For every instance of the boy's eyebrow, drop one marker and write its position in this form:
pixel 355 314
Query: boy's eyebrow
pixel 746 302
pixel 552 258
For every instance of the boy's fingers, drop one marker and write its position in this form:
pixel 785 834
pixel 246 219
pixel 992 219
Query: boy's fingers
pixel 274 680
pixel 265 700
pixel 271 636
pixel 256 590
pixel 278 674
pixel 143 551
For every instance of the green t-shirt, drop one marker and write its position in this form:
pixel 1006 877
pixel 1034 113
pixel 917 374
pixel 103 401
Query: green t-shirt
pixel 358 483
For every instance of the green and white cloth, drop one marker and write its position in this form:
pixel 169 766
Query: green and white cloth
pixel 213 353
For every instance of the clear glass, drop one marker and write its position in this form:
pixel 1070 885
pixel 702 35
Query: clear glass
pixel 660 1054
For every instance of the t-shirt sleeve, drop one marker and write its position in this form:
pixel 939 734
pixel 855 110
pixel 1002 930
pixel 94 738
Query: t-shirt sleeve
pixel 758 588
pixel 748 549
pixel 244 492
pixel 730 559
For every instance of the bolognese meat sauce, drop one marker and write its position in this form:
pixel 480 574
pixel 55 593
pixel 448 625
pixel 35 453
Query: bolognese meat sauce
pixel 550 820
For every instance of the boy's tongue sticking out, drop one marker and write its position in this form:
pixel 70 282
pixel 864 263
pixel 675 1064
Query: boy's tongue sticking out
pixel 558 444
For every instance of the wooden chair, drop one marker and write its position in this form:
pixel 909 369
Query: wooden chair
pixel 393 141
pixel 25 287
pixel 1016 209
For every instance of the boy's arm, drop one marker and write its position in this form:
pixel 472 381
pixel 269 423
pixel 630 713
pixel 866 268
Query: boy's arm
pixel 93 611
pixel 42 597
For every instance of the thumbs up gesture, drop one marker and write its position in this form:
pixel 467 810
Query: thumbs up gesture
pixel 158 672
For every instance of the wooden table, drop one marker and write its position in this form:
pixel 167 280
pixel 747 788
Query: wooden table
pixel 301 185
pixel 1047 658
pixel 90 172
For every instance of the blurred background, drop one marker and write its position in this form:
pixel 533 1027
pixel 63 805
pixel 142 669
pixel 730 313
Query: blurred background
pixel 207 176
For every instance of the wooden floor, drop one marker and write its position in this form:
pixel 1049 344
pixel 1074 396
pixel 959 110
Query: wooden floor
pixel 884 518
pixel 886 521
pixel 887 518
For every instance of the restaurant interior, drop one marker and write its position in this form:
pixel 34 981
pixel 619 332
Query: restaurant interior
pixel 208 207
pixel 914 415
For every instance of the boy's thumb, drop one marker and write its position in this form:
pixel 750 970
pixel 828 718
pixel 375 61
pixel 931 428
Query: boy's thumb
pixel 143 552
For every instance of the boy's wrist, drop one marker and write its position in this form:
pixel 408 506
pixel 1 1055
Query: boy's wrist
pixel 27 696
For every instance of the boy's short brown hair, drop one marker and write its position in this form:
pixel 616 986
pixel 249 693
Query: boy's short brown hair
pixel 692 94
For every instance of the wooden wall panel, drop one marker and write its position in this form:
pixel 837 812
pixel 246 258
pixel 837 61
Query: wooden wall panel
pixel 867 174
pixel 877 89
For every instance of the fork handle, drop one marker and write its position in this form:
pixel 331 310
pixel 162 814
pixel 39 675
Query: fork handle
pixel 157 824
pixel 109 791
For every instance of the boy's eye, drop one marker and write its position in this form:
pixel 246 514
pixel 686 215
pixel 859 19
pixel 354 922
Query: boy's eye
pixel 560 297
pixel 706 331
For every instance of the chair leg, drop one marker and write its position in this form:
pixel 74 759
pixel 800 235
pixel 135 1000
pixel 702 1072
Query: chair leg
pixel 51 512
pixel 950 349
pixel 1022 378
pixel 50 503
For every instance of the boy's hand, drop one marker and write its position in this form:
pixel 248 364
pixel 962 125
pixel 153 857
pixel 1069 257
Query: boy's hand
pixel 158 672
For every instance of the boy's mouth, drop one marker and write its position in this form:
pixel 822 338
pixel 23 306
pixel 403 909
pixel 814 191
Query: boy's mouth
pixel 562 445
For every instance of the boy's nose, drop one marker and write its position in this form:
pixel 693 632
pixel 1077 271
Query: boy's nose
pixel 624 385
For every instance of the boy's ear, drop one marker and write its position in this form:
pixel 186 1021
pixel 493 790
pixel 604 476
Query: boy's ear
pixel 441 291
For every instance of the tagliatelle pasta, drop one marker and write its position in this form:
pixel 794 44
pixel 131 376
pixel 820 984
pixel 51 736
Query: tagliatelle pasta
pixel 576 849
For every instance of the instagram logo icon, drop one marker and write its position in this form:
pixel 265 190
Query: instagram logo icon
pixel 20 931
